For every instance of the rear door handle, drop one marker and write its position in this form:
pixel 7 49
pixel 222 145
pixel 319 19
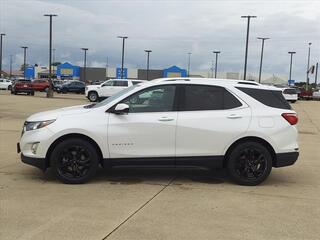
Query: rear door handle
pixel 234 116
pixel 165 119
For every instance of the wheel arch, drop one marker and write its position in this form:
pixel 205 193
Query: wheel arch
pixel 72 135
pixel 253 139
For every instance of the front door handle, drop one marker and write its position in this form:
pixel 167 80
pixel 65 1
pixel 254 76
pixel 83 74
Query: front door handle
pixel 165 119
pixel 234 116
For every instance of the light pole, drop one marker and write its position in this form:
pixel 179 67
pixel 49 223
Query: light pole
pixel 148 57
pixel 1 35
pixel 290 69
pixel 50 90
pixel 216 64
pixel 85 63
pixel 24 60
pixel 316 75
pixel 10 66
pixel 247 43
pixel 262 47
pixel 307 82
pixel 122 58
pixel 189 62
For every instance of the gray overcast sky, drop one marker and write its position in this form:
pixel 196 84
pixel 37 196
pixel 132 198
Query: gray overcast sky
pixel 170 28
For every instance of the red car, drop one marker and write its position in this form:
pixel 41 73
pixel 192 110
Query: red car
pixel 22 86
pixel 40 85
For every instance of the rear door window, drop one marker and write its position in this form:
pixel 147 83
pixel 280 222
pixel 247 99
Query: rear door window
pixel 202 97
pixel 289 91
pixel 271 98
pixel 120 83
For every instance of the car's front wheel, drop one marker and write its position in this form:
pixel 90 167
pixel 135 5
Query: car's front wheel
pixel 249 163
pixel 93 96
pixel 74 161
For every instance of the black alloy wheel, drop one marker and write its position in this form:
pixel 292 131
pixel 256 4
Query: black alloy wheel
pixel 249 163
pixel 74 161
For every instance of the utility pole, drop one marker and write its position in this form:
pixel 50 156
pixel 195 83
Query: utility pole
pixel 85 63
pixel 216 64
pixel 122 58
pixel 262 46
pixel 24 61
pixel 10 66
pixel 307 82
pixel 290 69
pixel 50 90
pixel 247 44
pixel 148 57
pixel 189 62
pixel 1 35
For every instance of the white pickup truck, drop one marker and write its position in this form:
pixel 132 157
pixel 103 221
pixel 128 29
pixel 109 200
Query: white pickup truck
pixel 108 88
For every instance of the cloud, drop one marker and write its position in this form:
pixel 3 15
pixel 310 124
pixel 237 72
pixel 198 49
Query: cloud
pixel 170 28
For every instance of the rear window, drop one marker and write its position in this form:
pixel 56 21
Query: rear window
pixel 201 97
pixel 271 98
pixel 289 91
pixel 119 83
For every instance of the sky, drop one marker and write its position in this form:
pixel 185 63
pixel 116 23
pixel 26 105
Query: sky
pixel 170 28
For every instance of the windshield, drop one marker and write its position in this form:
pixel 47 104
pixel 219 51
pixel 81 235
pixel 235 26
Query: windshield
pixel 115 96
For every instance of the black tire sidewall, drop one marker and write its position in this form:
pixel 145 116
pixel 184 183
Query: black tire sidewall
pixel 73 141
pixel 233 158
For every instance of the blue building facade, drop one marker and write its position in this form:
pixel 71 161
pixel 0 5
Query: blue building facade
pixel 174 71
pixel 68 71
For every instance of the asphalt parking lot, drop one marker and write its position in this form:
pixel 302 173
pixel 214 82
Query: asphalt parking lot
pixel 155 203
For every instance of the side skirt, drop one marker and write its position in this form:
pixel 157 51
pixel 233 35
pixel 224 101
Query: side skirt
pixel 201 161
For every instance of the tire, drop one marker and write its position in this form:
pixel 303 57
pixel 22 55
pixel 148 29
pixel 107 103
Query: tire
pixel 293 101
pixel 93 96
pixel 9 88
pixel 67 165
pixel 32 93
pixel 249 172
pixel 15 92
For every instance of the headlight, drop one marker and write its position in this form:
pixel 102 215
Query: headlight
pixel 28 126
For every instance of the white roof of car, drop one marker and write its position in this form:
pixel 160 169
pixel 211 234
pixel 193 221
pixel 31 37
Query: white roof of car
pixel 216 81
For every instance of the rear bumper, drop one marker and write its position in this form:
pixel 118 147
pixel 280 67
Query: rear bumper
pixel 285 159
pixel 36 162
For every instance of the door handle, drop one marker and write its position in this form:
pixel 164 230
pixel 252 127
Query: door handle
pixel 165 119
pixel 234 116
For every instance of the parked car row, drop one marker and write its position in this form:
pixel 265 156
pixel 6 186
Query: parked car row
pixel 42 85
pixel 5 84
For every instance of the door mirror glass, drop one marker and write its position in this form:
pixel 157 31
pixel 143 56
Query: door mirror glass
pixel 121 108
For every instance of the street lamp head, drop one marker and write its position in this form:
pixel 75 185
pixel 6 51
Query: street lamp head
pixel 2 34
pixel 216 52
pixel 309 43
pixel 248 16
pixel 263 38
pixel 123 37
pixel 189 53
pixel 85 49
pixel 50 15
pixel 24 47
pixel 292 52
pixel 148 51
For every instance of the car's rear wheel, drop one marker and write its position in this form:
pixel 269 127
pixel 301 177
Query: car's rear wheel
pixel 93 96
pixel 249 163
pixel 74 161
pixel 9 88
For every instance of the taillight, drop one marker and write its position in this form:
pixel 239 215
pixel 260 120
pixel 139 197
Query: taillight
pixel 292 118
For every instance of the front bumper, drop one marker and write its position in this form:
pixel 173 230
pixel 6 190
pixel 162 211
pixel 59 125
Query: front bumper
pixel 285 159
pixel 36 162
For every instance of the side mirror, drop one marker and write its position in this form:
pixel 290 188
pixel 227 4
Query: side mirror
pixel 121 108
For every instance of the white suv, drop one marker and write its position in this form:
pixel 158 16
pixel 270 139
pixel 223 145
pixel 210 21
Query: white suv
pixel 108 88
pixel 246 128
pixel 5 84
